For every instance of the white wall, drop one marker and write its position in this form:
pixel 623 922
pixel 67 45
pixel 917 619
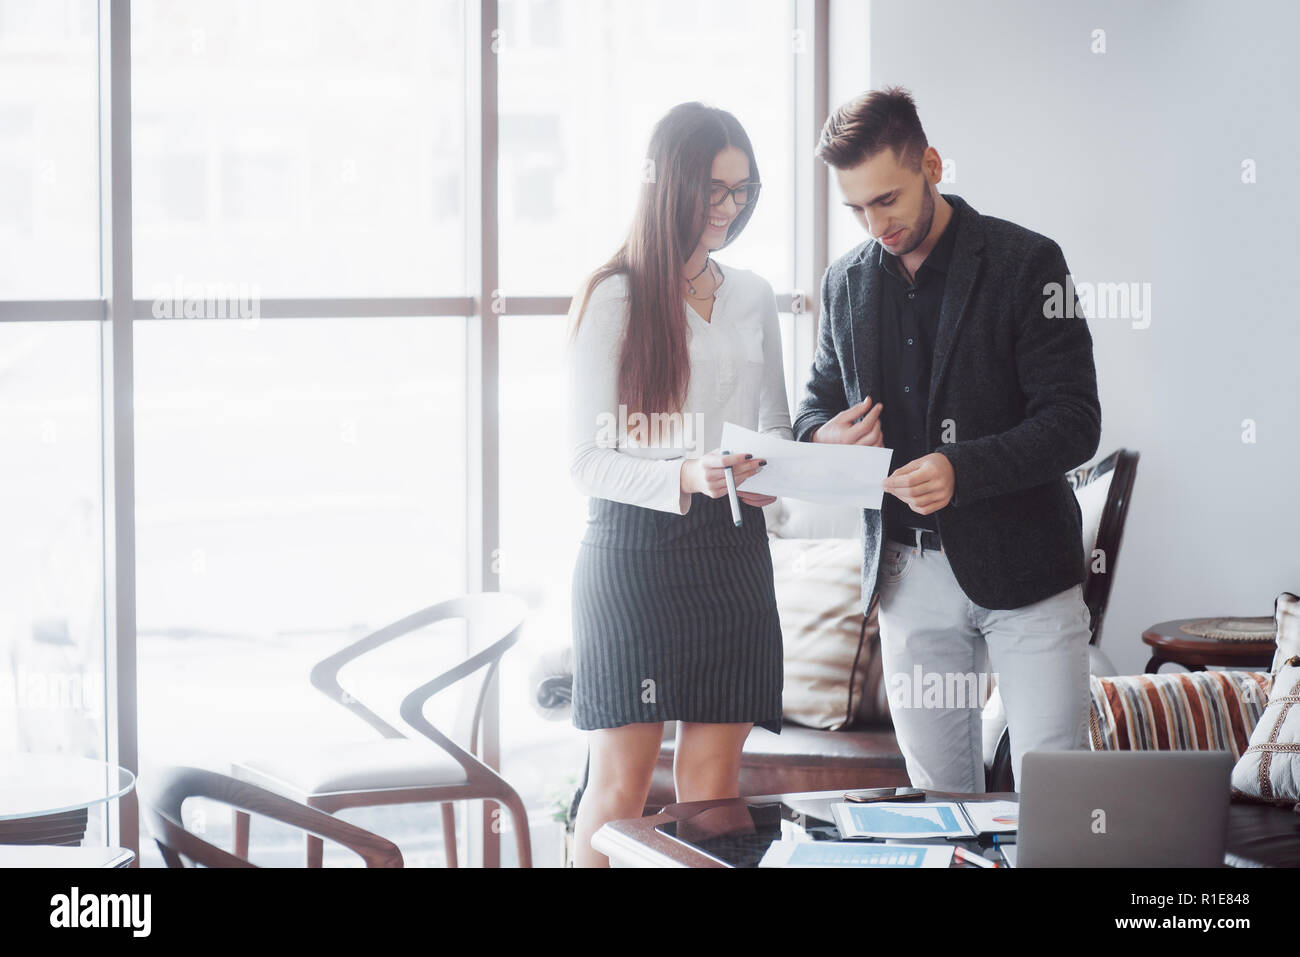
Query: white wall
pixel 1131 160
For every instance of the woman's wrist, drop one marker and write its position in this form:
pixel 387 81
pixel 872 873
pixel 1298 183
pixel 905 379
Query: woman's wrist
pixel 687 480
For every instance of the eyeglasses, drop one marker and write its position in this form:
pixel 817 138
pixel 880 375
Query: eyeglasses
pixel 744 194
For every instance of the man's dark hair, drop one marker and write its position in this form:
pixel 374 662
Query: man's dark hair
pixel 870 123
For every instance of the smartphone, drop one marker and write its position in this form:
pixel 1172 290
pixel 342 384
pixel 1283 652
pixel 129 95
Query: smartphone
pixel 885 794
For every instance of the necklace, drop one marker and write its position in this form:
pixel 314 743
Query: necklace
pixel 690 283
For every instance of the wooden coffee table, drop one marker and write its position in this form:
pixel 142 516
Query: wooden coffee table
pixel 636 843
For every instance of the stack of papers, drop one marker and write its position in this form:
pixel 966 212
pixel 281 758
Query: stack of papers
pixel 897 823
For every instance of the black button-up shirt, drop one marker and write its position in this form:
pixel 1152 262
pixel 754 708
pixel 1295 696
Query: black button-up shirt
pixel 909 323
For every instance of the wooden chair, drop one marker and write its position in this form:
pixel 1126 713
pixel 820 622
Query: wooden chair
pixel 1115 475
pixel 1104 491
pixel 163 793
pixel 426 766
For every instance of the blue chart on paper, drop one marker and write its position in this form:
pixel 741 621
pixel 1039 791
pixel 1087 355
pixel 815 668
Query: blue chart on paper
pixel 831 854
pixel 917 820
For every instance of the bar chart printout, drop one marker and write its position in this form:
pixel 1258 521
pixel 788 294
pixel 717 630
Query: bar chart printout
pixel 855 854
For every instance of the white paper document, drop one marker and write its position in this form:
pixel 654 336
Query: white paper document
pixel 993 817
pixel 854 854
pixel 932 819
pixel 911 820
pixel 829 474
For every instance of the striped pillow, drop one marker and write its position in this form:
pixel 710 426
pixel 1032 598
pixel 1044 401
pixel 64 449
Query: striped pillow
pixel 1179 711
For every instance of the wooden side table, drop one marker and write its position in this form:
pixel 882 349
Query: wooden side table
pixel 1169 643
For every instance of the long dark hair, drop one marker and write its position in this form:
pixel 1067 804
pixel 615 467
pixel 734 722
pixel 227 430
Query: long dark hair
pixel 654 365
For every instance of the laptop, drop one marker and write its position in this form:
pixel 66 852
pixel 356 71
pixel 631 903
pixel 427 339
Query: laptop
pixel 1123 808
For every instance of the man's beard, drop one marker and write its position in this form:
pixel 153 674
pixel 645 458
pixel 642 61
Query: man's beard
pixel 923 223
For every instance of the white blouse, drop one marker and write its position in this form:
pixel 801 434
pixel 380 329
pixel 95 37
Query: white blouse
pixel 737 375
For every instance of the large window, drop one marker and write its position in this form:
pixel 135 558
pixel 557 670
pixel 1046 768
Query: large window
pixel 51 556
pixel 307 148
pixel 262 440
pixel 582 85
pixel 49 178
pixel 52 637
pixel 300 481
pixel 293 493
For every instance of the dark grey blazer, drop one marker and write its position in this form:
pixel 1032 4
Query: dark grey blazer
pixel 1015 391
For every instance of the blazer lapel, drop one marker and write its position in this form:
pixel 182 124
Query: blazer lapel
pixel 963 270
pixel 863 321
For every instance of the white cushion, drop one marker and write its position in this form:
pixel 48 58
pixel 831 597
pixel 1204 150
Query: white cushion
pixel 994 720
pixel 1092 502
pixel 1099 664
pixel 357 766
pixel 818 586
pixel 1269 769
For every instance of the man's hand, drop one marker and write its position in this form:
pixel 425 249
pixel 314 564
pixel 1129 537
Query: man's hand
pixel 843 430
pixel 925 484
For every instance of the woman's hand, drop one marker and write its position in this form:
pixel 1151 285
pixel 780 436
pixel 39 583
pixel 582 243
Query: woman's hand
pixel 706 475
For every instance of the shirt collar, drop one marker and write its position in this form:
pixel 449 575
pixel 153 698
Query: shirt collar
pixel 940 256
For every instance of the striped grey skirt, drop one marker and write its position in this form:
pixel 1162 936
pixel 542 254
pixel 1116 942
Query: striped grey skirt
pixel 674 617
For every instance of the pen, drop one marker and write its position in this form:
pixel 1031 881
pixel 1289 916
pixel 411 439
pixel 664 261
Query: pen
pixel 978 860
pixel 731 494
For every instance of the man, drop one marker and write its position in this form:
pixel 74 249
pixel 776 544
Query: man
pixel 934 341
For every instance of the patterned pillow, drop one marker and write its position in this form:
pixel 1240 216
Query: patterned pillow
pixel 1192 711
pixel 1269 771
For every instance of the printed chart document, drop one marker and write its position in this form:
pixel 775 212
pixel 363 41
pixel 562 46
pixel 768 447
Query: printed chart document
pixel 829 474
pixel 855 854
pixel 912 820
pixel 993 817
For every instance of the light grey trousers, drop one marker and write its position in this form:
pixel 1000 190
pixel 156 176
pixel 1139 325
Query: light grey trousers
pixel 938 650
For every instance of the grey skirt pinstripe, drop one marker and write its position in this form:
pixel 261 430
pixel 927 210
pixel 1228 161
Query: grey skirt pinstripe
pixel 674 617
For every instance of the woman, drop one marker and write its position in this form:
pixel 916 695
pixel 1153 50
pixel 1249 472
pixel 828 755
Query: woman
pixel 674 611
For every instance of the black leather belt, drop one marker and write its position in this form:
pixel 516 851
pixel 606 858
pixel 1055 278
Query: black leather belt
pixel 907 536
